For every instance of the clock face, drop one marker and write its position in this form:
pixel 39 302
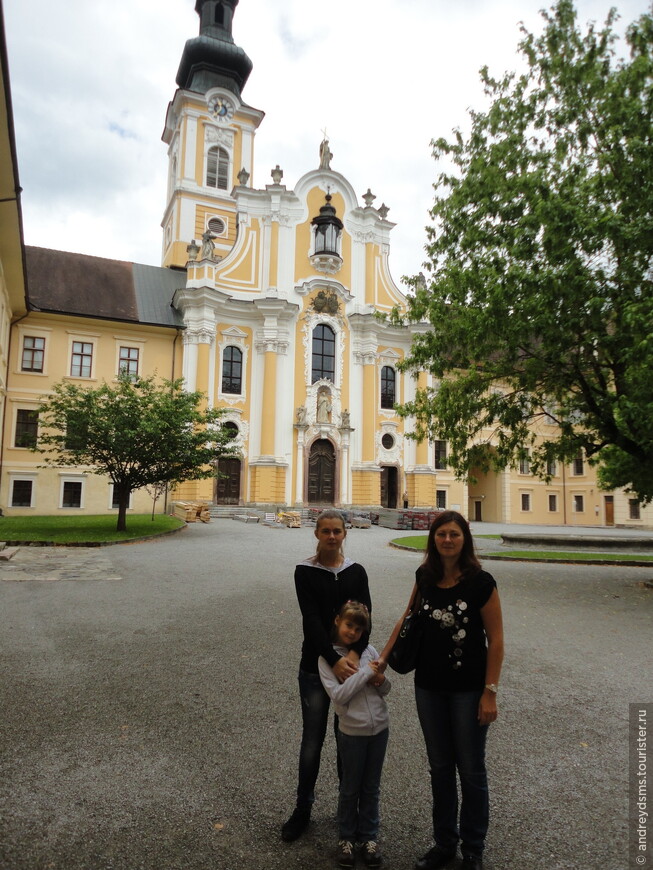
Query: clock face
pixel 221 108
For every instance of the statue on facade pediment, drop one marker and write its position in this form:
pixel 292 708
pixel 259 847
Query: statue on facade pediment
pixel 345 420
pixel 325 154
pixel 208 248
pixel 324 406
pixel 301 415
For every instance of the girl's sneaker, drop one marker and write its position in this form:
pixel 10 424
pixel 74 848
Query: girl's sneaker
pixel 345 853
pixel 371 854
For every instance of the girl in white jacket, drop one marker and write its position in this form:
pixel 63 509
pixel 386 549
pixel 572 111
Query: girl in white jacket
pixel 362 737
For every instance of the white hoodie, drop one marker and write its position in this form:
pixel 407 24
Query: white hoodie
pixel 361 708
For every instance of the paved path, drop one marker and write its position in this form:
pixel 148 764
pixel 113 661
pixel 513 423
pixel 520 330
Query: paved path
pixel 150 717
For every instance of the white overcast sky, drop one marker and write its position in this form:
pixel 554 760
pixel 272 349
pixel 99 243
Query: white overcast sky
pixel 91 81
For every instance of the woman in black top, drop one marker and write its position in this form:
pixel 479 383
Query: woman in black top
pixel 456 683
pixel 323 583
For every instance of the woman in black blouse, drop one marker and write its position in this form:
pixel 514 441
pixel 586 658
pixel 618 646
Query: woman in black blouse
pixel 456 684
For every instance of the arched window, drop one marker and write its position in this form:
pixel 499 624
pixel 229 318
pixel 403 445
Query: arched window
pixel 219 15
pixel 324 353
pixel 388 387
pixel 232 370
pixel 217 168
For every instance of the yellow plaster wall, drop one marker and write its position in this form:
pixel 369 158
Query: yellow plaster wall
pixel 27 389
pixel 421 489
pixel 366 487
pixel 267 484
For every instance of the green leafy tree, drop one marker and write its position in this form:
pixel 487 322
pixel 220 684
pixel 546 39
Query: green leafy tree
pixel 539 279
pixel 138 433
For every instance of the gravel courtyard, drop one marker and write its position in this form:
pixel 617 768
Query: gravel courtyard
pixel 150 718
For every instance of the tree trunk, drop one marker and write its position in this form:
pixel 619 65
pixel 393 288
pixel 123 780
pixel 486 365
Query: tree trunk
pixel 123 503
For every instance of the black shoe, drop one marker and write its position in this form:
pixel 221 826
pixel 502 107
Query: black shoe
pixel 371 854
pixel 296 824
pixel 434 858
pixel 472 862
pixel 345 854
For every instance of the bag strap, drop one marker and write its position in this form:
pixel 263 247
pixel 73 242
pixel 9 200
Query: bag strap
pixel 415 600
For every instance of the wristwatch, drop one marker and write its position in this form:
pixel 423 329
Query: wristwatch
pixel 492 687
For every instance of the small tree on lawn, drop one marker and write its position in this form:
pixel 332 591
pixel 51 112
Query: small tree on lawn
pixel 137 432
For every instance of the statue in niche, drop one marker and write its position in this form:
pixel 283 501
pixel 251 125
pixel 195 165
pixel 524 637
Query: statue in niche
pixel 301 415
pixel 208 248
pixel 323 406
pixel 345 421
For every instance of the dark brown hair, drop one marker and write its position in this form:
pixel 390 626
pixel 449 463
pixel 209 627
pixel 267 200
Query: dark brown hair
pixel 356 612
pixel 467 562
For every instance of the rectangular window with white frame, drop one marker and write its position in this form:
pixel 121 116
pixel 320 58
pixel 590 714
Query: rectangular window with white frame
pixel 22 492
pixel 27 427
pixel 553 503
pixel 440 455
pixel 579 504
pixel 72 493
pixel 128 361
pixel 33 354
pixel 441 499
pixel 526 502
pixel 81 359
pixel 634 509
pixel 551 467
pixel 578 466
pixel 525 464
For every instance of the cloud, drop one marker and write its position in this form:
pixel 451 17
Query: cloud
pixel 91 85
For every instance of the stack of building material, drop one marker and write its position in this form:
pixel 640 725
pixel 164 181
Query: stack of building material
pixel 291 519
pixel 192 512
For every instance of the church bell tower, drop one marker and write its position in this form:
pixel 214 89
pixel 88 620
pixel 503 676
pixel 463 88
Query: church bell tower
pixel 210 133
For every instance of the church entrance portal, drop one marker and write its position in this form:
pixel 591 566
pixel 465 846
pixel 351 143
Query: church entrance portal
pixel 389 486
pixel 228 484
pixel 322 473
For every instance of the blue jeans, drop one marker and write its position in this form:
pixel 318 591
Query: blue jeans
pixel 315 716
pixel 358 804
pixel 456 742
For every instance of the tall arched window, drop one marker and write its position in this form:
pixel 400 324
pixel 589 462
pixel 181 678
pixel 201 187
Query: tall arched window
pixel 388 387
pixel 324 353
pixel 217 168
pixel 232 370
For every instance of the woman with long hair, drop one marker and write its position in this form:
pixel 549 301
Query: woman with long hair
pixel 456 684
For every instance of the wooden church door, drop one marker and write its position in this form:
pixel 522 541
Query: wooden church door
pixel 322 473
pixel 228 488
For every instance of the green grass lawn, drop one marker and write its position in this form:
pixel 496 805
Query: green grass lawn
pixel 83 529
pixel 539 555
pixel 418 542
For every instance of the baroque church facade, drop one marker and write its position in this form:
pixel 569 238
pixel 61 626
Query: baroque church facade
pixel 266 302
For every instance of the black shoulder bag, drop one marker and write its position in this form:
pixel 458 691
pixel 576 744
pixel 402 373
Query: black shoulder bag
pixel 403 656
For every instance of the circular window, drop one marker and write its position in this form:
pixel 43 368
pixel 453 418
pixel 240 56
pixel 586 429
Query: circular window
pixel 231 428
pixel 217 226
pixel 388 441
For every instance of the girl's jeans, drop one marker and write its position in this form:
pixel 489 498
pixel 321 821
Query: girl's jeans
pixel 456 742
pixel 360 786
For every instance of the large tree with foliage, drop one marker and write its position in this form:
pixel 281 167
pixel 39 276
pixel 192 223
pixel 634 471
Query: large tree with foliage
pixel 138 432
pixel 539 279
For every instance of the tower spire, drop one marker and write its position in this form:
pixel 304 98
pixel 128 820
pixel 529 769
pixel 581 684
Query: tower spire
pixel 212 59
